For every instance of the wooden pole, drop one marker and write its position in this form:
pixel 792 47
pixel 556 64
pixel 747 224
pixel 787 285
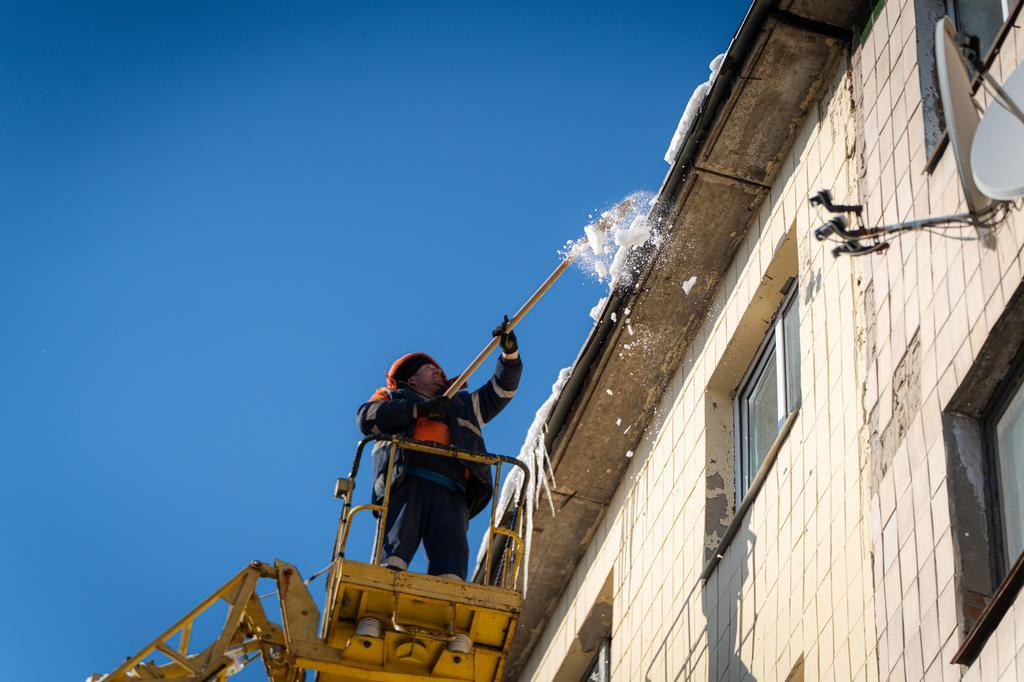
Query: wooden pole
pixel 520 314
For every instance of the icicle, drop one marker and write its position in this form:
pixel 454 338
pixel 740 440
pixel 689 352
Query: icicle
pixel 535 456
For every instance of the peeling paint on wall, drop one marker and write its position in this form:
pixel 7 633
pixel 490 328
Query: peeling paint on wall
pixel 906 403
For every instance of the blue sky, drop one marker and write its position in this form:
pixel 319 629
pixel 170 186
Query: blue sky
pixel 221 222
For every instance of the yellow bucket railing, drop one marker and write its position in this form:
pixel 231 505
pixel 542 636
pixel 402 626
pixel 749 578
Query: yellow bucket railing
pixel 511 554
pixel 294 646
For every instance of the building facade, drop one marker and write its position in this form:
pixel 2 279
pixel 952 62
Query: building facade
pixel 828 449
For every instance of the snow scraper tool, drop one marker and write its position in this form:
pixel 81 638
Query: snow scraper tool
pixel 602 226
pixel 520 314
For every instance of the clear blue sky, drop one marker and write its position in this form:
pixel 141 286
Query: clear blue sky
pixel 219 224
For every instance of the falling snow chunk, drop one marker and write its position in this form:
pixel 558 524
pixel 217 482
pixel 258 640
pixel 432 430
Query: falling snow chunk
pixel 629 328
pixel 595 237
pixel 688 284
pixel 618 422
pixel 607 242
pixel 636 234
pixel 627 429
pixel 626 312
pixel 608 391
pixel 617 264
pixel 629 454
pixel 692 109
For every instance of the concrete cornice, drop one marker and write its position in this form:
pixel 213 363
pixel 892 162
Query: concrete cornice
pixel 776 68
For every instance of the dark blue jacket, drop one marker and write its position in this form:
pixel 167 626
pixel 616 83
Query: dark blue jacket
pixel 470 411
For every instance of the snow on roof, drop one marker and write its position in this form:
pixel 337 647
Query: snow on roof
pixel 617 232
pixel 700 93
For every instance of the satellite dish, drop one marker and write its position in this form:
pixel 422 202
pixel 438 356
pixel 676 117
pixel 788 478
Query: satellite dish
pixel 959 111
pixel 997 155
pixel 987 152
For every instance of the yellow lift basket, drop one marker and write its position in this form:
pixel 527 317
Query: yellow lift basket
pixel 378 624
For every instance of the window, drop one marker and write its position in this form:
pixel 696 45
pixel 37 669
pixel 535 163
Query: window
pixel 983 433
pixel 600 670
pixel 982 18
pixel 764 338
pixel 797 673
pixel 589 655
pixel 1005 437
pixel 768 392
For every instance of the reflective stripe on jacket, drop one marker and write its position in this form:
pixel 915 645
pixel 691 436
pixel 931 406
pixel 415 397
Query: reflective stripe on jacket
pixel 470 411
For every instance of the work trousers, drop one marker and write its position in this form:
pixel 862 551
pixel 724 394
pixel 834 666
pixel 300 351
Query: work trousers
pixel 421 510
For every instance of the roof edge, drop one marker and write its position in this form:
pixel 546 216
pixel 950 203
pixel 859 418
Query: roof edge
pixel 735 55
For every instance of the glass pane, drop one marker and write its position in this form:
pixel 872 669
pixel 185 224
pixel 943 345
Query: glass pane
pixel 1010 453
pixel 982 18
pixel 599 672
pixel 791 334
pixel 762 414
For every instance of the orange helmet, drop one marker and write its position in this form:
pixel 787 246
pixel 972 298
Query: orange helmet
pixel 421 358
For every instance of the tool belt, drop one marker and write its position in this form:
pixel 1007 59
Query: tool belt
pixel 440 479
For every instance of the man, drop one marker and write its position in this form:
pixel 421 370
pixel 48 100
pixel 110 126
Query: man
pixel 432 497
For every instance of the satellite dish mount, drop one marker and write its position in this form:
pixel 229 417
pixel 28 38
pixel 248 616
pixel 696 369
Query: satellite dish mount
pixel 959 66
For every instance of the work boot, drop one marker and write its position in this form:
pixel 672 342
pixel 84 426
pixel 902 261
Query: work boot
pixel 395 563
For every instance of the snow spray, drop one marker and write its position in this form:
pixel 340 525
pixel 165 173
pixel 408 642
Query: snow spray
pixel 604 248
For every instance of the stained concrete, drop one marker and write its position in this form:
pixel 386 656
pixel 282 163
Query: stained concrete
pixel 712 199
pixel 906 405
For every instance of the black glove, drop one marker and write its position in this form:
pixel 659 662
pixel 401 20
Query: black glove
pixel 509 343
pixel 435 408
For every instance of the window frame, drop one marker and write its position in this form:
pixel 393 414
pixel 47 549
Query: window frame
pixel 773 345
pixel 952 8
pixel 987 583
pixel 931 108
pixel 1008 388
pixel 953 11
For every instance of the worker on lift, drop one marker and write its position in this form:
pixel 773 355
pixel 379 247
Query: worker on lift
pixel 433 497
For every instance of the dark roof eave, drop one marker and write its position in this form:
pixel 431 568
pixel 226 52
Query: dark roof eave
pixel 736 54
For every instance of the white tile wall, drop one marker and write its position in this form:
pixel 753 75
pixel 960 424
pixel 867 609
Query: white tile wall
pixel 856 579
